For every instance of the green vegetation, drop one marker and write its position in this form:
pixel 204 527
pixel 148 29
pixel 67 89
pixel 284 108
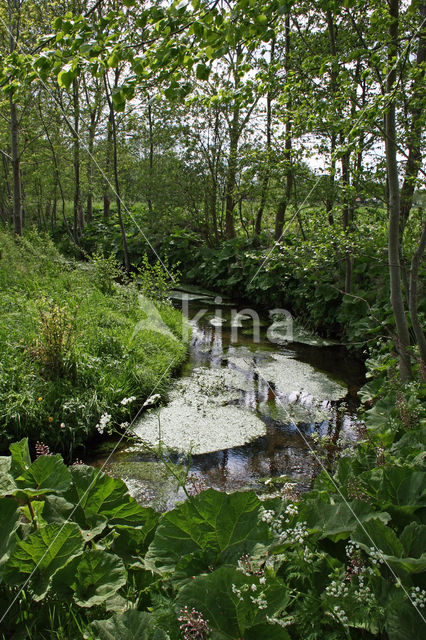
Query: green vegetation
pixel 80 558
pixel 270 150
pixel 75 343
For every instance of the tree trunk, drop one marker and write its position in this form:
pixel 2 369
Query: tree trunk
pixel 232 174
pixel 13 15
pixel 282 206
pixel 402 335
pixel 346 223
pixel 414 277
pixel 415 137
pixel 78 209
pixel 106 187
pixel 267 172
pixel 151 161
pixel 116 178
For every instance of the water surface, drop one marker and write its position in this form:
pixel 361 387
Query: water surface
pixel 243 409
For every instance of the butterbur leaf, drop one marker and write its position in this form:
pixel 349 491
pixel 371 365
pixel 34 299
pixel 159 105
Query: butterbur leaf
pixel 41 554
pixel 220 526
pixel 21 459
pixel 413 539
pixel 101 497
pixel 47 474
pixel 7 483
pixel 126 626
pixel 233 602
pixel 338 520
pixel 402 620
pixel 9 523
pixel 91 578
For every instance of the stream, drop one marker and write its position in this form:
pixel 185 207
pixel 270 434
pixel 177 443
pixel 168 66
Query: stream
pixel 245 406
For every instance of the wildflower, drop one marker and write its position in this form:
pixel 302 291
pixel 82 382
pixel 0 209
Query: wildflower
pixel 128 400
pixel 50 419
pixel 124 425
pixel 39 399
pixel 105 418
pixel 193 625
pixel 76 462
pixel 62 425
pixel 42 449
pixel 151 400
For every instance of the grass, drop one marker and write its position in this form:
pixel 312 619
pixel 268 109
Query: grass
pixel 74 345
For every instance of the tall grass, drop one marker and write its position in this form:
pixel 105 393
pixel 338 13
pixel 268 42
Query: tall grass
pixel 69 348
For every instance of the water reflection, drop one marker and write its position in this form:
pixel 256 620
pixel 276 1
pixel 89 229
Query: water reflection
pixel 289 416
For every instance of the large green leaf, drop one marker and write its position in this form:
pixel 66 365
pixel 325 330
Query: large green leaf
pixel 41 554
pixel 131 543
pixel 126 626
pixel 413 539
pixel 402 620
pixel 375 534
pixel 215 526
pixel 338 520
pixel 21 460
pixel 7 483
pixel 47 474
pixel 231 614
pixel 100 497
pixel 9 523
pixel 91 578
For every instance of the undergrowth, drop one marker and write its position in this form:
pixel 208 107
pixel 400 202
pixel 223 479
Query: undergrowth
pixel 76 339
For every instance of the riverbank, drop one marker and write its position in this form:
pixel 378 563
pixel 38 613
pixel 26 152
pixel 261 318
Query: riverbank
pixel 80 351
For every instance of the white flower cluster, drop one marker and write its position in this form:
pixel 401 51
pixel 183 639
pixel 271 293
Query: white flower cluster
pixel 260 602
pixel 337 589
pixel 376 556
pixel 151 400
pixel 103 422
pixel 267 515
pixel 128 400
pixel 295 534
pixel 277 524
pixel 418 597
pixel 340 614
pixel 285 622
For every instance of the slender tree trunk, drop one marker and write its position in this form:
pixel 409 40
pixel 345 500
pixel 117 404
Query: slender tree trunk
pixel 267 172
pixel 282 206
pixel 329 203
pixel 90 147
pixel 346 223
pixel 414 278
pixel 116 178
pixel 78 209
pixel 402 335
pixel 150 160
pixel 232 174
pixel 106 186
pixel 415 137
pixel 13 15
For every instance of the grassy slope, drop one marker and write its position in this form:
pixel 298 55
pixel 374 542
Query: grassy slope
pixel 105 363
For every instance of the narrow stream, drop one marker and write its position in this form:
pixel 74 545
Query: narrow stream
pixel 245 406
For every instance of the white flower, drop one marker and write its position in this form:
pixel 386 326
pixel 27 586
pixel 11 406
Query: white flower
pixel 105 418
pixel 151 400
pixel 128 400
